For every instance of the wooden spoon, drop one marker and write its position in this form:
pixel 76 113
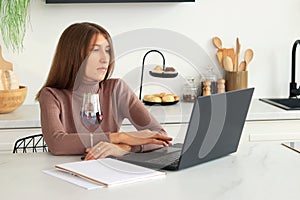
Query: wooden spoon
pixel 217 42
pixel 220 57
pixel 229 52
pixel 242 66
pixel 237 53
pixel 248 56
pixel 227 63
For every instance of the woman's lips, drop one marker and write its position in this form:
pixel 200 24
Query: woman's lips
pixel 102 68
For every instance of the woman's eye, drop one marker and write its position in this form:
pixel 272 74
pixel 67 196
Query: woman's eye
pixel 107 50
pixel 96 49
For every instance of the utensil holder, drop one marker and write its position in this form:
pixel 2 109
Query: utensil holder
pixel 236 80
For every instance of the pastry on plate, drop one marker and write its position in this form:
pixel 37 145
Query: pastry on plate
pixel 152 98
pixel 148 97
pixel 168 98
pixel 160 94
pixel 176 98
pixel 170 69
pixel 156 99
pixel 161 98
pixel 158 68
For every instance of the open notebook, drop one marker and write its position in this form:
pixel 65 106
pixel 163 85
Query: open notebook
pixel 109 172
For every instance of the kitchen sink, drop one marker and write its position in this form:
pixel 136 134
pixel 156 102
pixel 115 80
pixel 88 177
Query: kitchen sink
pixel 287 104
pixel 291 103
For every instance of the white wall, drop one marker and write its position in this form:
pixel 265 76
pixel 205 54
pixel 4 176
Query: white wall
pixel 269 27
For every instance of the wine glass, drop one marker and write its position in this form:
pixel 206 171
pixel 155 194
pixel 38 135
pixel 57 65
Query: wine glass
pixel 90 114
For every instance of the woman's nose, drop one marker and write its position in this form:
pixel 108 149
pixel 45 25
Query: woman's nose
pixel 104 57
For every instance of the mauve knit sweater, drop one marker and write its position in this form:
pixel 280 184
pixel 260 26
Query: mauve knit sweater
pixel 60 115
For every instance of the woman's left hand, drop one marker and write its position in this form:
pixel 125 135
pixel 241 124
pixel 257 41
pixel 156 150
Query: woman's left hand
pixel 104 149
pixel 140 138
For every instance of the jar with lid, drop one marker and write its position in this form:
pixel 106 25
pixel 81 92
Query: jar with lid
pixel 190 90
pixel 212 78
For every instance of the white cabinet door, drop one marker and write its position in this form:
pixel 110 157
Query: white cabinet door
pixel 9 136
pixel 274 130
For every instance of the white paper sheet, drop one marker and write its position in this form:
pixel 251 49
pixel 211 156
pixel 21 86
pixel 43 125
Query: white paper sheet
pixel 110 172
pixel 73 179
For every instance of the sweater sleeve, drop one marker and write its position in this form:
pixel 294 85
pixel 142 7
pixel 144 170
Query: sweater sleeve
pixel 56 123
pixel 135 111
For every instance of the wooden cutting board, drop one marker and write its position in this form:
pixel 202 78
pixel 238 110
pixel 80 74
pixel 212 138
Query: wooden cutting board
pixel 8 79
pixel 5 65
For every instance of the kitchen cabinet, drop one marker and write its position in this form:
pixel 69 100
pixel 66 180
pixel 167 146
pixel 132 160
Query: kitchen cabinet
pixel 273 130
pixel 20 123
pixel 9 136
pixel 264 123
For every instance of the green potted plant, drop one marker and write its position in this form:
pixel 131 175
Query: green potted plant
pixel 13 23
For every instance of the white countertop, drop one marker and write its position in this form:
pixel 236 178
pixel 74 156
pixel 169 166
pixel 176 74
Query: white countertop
pixel 263 111
pixel 28 116
pixel 257 171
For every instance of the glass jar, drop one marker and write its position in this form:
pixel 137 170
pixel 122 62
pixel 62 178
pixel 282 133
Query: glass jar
pixel 213 79
pixel 190 90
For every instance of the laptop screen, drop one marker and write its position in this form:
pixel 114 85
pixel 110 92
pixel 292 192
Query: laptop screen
pixel 215 127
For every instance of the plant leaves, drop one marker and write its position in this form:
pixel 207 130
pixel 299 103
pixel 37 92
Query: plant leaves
pixel 13 23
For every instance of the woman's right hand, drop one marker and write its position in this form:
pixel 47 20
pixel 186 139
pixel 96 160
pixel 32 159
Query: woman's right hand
pixel 140 138
pixel 105 149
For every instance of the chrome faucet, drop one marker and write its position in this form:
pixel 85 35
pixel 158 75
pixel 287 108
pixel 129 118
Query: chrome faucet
pixel 294 92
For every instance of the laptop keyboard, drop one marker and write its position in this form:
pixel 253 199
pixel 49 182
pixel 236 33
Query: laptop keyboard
pixel 166 160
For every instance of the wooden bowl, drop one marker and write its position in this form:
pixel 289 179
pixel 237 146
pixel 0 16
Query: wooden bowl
pixel 10 100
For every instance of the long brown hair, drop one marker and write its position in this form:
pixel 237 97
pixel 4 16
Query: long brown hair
pixel 71 51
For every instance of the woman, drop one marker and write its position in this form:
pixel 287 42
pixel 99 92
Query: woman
pixel 83 62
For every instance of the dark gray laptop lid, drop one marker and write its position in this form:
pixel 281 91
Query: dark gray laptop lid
pixel 215 127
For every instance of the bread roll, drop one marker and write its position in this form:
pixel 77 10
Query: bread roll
pixel 168 98
pixel 158 68
pixel 156 99
pixel 152 98
pixel 148 97
pixel 176 98
pixel 161 95
pixel 169 69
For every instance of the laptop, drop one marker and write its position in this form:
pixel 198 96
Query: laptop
pixel 214 130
